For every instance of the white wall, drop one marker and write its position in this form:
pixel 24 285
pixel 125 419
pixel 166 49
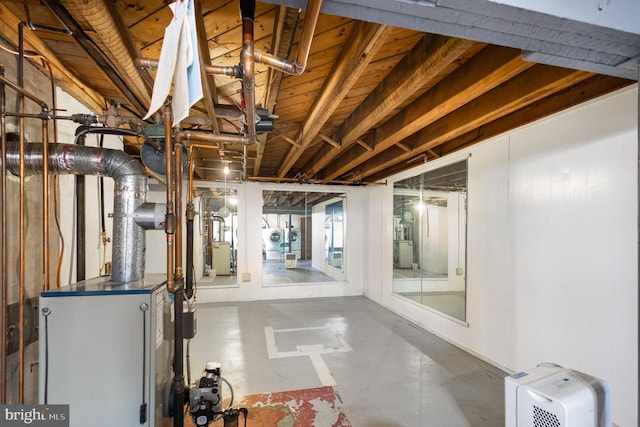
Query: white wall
pixel 552 248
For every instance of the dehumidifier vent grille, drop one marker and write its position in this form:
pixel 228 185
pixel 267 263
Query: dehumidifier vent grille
pixel 542 418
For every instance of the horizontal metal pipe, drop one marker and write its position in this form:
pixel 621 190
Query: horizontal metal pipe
pixel 298 66
pixel 24 93
pixel 209 69
pixel 74 159
pixel 150 216
pixel 312 181
pixel 212 138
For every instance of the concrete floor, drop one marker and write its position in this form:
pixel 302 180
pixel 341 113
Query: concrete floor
pixel 357 363
pixel 274 272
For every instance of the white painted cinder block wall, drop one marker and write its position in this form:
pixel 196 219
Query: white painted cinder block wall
pixel 552 248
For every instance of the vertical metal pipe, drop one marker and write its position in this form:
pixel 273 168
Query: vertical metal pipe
pixel 179 276
pixel 189 264
pixel 190 188
pixel 178 378
pixel 23 237
pixel 179 295
pixel 5 303
pixel 129 239
pixel 80 221
pixel 310 21
pixel 45 205
pixel 638 240
pixel 174 286
pixel 190 216
pixel 245 157
pixel 247 61
pixel 169 223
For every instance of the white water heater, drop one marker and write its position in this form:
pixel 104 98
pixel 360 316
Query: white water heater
pixel 552 396
pixel 106 350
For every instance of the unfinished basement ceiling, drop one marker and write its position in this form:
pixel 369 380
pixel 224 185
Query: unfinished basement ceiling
pixel 404 81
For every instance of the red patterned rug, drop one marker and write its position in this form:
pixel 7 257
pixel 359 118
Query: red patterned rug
pixel 296 408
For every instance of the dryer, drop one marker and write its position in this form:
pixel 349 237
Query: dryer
pixel 273 238
pixel 295 240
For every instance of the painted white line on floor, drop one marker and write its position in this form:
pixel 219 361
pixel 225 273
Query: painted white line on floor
pixel 314 352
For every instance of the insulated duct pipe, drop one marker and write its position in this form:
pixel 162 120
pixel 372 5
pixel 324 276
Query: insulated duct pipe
pixel 130 193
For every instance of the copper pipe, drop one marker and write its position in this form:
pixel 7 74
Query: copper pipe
pixel 169 223
pixel 245 155
pixel 23 92
pixel 211 138
pixel 190 188
pixel 45 205
pixel 247 61
pixel 311 181
pixel 4 322
pixel 298 66
pixel 179 275
pixel 23 236
pixel 174 286
pixel 209 69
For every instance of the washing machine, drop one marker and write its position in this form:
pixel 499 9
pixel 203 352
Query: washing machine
pixel 273 238
pixel 295 240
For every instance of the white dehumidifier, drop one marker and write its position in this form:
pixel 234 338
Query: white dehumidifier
pixel 552 396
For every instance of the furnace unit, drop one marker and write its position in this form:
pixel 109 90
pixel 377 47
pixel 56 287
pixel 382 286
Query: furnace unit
pixel 106 350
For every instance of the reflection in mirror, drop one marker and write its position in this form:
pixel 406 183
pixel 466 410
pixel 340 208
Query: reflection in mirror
pixel 334 229
pixel 293 236
pixel 219 231
pixel 429 247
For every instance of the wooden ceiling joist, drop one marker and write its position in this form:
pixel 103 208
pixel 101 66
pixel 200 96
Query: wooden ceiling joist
pixel 473 79
pixel 524 90
pixel 374 98
pixel 353 59
pixel 64 77
pixel 422 64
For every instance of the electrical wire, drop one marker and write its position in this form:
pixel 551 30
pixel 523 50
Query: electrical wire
pixel 57 219
pixel 230 390
pixel 103 233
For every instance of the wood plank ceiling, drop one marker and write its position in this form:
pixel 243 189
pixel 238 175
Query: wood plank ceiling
pixel 373 100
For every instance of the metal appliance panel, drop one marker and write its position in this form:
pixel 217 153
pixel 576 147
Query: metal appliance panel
pixel 100 357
